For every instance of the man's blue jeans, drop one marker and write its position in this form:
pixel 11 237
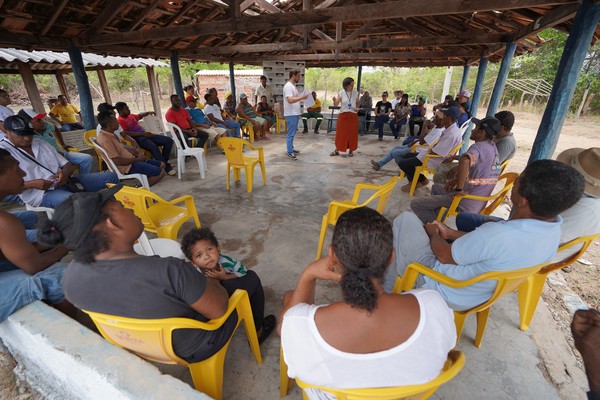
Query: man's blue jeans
pixel 29 220
pixel 230 124
pixel 395 154
pixel 292 127
pixel 71 127
pixel 85 161
pixel 152 143
pixel 91 182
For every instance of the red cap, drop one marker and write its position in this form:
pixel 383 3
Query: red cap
pixel 190 98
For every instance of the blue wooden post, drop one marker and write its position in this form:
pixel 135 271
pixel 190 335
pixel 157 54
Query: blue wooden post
pixel 483 63
pixel 177 76
pixel 509 52
pixel 565 82
pixel 465 77
pixel 359 78
pixel 83 86
pixel 232 83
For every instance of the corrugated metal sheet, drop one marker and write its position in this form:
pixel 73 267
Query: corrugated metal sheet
pixel 239 72
pixel 53 57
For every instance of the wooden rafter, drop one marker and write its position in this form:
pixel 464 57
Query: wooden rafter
pixel 144 14
pixel 57 11
pixel 106 16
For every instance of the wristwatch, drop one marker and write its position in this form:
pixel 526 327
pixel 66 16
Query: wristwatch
pixel 458 190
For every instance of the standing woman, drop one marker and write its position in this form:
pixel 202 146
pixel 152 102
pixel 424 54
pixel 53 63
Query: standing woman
pixel 366 102
pixel 346 133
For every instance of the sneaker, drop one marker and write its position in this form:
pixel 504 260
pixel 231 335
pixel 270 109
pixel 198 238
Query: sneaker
pixel 171 172
pixel 375 165
pixel 292 156
pixel 296 151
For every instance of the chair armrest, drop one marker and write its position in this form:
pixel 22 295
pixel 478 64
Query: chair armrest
pixel 248 144
pixel 428 157
pixel 234 302
pixel 187 199
pixel 362 186
pixel 71 149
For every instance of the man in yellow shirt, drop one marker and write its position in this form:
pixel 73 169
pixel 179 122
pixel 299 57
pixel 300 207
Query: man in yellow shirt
pixel 64 113
pixel 313 112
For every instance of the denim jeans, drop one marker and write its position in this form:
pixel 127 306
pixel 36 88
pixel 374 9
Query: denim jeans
pixel 396 154
pixel 85 161
pixel 230 124
pixel 152 143
pixel 29 220
pixel 468 222
pixel 17 289
pixel 396 128
pixel 71 127
pixel 380 121
pixel 91 182
pixel 292 127
pixel 409 163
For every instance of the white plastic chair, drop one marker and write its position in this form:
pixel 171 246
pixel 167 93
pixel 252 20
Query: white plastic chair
pixel 113 168
pixel 464 126
pixel 158 247
pixel 49 211
pixel 174 132
pixel 152 123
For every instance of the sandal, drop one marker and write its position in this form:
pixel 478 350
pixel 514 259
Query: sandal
pixel 350 154
pixel 334 153
pixel 268 326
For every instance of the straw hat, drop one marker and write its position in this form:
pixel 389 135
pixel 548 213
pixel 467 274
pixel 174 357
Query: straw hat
pixel 586 161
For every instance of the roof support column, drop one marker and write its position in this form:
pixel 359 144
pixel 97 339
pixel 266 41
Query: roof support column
pixel 83 86
pixel 153 84
pixel 104 86
pixel 509 52
pixel 61 85
pixel 565 82
pixel 31 87
pixel 481 70
pixel 177 76
pixel 447 82
pixel 359 78
pixel 232 83
pixel 465 78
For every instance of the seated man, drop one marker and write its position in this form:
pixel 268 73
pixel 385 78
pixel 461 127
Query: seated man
pixel 213 111
pixel 444 104
pixel 64 113
pixel 127 162
pixel 417 116
pixel 313 112
pixel 583 219
pixel 52 135
pixel 146 140
pixel 431 132
pixel 28 271
pixel 202 124
pixel 531 236
pixel 5 112
pixel 48 173
pixel 245 110
pixel 505 140
pixel 264 110
pixel 179 116
pixel 449 139
pixel 477 174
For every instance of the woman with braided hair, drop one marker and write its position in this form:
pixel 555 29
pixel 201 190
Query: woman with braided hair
pixel 370 338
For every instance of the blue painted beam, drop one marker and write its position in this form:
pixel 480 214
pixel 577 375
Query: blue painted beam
pixel 177 76
pixel 232 83
pixel 359 78
pixel 565 82
pixel 83 87
pixel 483 63
pixel 509 52
pixel 465 78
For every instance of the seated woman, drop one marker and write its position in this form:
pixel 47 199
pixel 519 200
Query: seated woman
pixel 109 277
pixel 370 338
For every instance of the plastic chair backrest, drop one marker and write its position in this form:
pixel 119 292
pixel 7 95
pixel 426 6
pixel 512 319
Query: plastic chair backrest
pixel 464 126
pixel 233 150
pixel 109 162
pixel 585 242
pixel 161 247
pixel 383 194
pixel 175 133
pixel 87 135
pixel 153 124
pixel 504 165
pixel 499 197
pixel 455 363
pixel 138 199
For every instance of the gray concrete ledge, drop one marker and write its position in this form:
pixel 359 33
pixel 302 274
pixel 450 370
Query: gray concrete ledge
pixel 64 360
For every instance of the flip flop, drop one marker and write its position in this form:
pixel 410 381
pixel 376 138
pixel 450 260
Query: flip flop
pixel 268 326
pixel 334 153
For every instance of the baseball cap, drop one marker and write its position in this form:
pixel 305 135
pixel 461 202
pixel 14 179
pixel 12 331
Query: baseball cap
pixel 29 114
pixel 490 125
pixel 105 107
pixel 243 96
pixel 190 99
pixel 423 99
pixel 18 125
pixel 453 112
pixel 465 93
pixel 448 97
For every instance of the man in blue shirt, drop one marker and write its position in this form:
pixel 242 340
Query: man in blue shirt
pixel 203 124
pixel 531 237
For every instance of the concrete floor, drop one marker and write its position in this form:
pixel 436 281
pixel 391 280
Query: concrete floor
pixel 275 229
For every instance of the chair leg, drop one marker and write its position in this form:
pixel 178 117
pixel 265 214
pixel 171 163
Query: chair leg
pixel 482 318
pixel 264 173
pixel 284 381
pixel 415 180
pixel 249 177
pixel 236 174
pixel 322 236
pixel 228 173
pixel 245 315
pixel 200 158
pixel 208 374
pixel 459 321
pixel 530 292
pixel 180 162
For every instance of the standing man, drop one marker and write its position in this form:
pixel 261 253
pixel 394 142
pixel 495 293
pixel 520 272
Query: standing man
pixel 64 113
pixel 313 112
pixel 5 112
pixel 291 111
pixel 179 116
pixel 264 89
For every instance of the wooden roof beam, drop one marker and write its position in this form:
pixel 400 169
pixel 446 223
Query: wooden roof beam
pixel 551 18
pixel 181 12
pixel 106 16
pixel 57 11
pixel 144 14
pixel 363 29
pixel 363 12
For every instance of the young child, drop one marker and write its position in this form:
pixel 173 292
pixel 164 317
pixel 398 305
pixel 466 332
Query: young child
pixel 201 247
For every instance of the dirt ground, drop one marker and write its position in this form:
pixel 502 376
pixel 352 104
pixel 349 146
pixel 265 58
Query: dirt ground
pixel 580 279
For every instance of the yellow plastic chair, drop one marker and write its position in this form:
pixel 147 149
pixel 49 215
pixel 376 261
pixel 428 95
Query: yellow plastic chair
pixel 424 169
pixel 530 291
pixel 152 340
pixel 247 128
pixel 158 215
pixel 279 122
pixel 494 200
pixel 233 148
pixel 508 281
pixel 504 165
pixel 454 364
pixel 336 208
pixel 86 138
